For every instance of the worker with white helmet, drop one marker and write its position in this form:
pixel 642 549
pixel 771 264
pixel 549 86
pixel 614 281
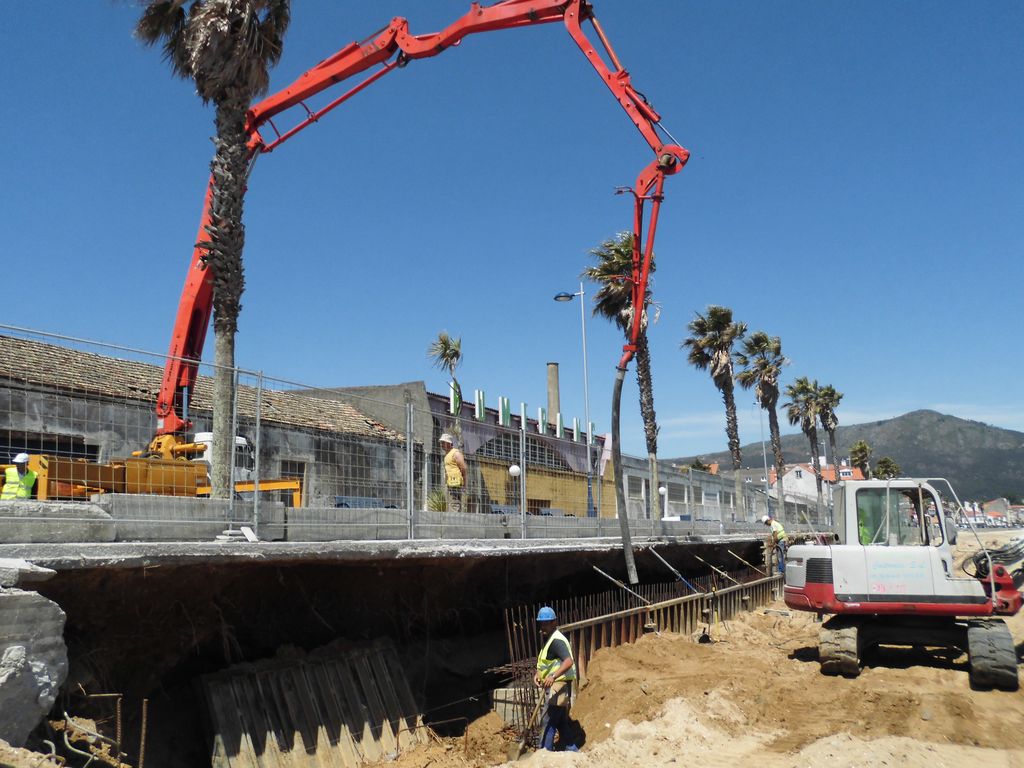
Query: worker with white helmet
pixel 454 472
pixel 19 480
pixel 778 541
pixel 556 670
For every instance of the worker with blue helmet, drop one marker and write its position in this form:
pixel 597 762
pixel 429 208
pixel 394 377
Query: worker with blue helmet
pixel 556 670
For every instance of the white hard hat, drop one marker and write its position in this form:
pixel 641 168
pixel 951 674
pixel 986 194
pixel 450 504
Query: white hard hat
pixel 764 519
pixel 21 458
pixel 446 438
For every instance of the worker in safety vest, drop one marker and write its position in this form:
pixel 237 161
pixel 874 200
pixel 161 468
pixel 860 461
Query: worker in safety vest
pixel 454 472
pixel 19 480
pixel 556 670
pixel 778 540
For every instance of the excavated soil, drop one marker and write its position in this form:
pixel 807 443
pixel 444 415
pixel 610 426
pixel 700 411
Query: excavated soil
pixel 756 696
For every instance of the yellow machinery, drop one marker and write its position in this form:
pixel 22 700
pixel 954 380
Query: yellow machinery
pixel 69 479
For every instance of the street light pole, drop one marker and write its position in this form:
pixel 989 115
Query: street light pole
pixel 586 396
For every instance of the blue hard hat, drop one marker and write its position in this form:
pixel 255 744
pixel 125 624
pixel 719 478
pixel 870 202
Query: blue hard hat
pixel 546 614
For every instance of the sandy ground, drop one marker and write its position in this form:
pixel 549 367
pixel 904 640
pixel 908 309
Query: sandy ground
pixel 756 696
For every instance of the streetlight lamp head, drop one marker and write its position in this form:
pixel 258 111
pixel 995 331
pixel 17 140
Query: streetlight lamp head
pixel 563 296
pixel 663 491
pixel 514 470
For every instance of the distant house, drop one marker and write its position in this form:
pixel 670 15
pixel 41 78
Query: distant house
pixel 996 511
pixel 799 478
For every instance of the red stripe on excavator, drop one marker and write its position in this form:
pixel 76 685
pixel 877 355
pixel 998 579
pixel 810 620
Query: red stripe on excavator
pixel 821 598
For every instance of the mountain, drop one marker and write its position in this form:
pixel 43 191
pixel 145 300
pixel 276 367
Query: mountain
pixel 981 461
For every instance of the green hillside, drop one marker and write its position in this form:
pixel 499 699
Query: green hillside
pixel 981 461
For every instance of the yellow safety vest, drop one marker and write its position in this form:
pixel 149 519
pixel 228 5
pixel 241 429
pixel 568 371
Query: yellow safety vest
pixel 452 472
pixel 546 666
pixel 778 530
pixel 18 486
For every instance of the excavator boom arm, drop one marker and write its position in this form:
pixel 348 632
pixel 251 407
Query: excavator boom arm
pixel 392 47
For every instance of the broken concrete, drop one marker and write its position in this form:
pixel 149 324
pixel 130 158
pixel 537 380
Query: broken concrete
pixel 14 572
pixel 27 521
pixel 33 661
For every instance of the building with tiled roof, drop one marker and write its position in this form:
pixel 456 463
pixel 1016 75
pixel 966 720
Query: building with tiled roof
pixel 69 402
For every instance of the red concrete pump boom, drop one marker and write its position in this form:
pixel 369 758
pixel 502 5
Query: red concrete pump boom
pixel 393 47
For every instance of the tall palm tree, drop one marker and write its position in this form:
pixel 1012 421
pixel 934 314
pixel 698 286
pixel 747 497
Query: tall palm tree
pixel 860 457
pixel 762 362
pixel 828 401
pixel 614 301
pixel 445 352
pixel 226 47
pixel 711 339
pixel 802 409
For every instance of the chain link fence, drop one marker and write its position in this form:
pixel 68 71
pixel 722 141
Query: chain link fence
pixel 323 464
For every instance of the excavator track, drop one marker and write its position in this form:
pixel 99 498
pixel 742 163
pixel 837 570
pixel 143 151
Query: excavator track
pixel 838 648
pixel 992 655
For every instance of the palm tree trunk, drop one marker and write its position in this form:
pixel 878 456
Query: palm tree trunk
pixel 645 383
pixel 620 491
pixel 732 431
pixel 224 257
pixel 223 399
pixel 780 464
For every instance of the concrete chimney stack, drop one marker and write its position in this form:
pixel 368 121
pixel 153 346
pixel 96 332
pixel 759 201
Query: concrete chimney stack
pixel 553 404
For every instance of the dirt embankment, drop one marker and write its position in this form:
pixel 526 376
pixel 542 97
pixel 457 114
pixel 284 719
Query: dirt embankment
pixel 756 696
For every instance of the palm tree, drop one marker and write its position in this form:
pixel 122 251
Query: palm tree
pixel 712 336
pixel 802 409
pixel 887 468
pixel 614 301
pixel 226 47
pixel 860 457
pixel 446 353
pixel 762 362
pixel 828 401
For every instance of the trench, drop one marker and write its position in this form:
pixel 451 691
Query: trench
pixel 150 633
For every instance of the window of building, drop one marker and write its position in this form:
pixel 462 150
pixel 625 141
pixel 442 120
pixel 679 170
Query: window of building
pixel 13 442
pixel 676 491
pixel 290 468
pixel 846 473
pixel 799 474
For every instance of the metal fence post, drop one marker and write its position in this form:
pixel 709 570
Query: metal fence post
pixel 231 437
pixel 689 501
pixel 522 474
pixel 409 464
pixel 256 458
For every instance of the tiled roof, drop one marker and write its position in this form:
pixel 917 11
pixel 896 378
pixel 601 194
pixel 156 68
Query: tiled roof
pixel 88 373
pixel 828 473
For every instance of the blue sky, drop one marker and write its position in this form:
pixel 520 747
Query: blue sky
pixel 854 187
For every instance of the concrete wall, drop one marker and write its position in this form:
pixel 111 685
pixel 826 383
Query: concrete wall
pixel 49 522
pixel 141 518
pixel 138 517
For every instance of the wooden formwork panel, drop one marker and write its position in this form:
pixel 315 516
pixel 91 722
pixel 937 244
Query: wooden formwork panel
pixel 324 713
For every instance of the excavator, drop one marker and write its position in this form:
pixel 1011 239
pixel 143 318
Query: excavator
pixel 891 579
pixel 393 48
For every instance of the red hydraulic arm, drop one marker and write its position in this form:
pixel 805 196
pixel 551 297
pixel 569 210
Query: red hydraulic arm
pixel 394 46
